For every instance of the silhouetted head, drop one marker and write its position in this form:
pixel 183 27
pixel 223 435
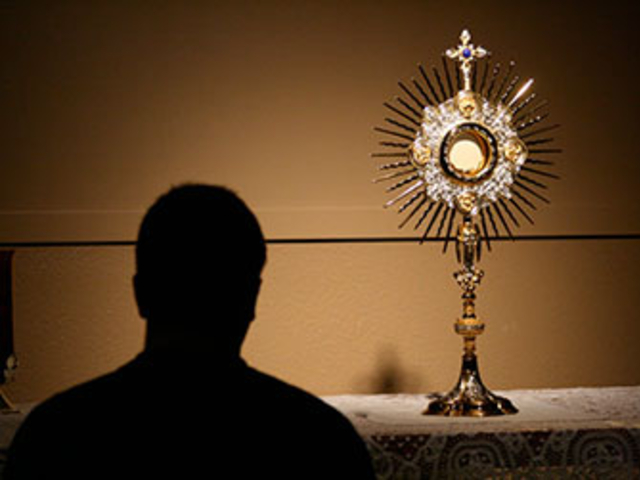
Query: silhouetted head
pixel 199 258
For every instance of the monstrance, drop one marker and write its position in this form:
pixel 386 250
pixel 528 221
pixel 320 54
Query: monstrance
pixel 470 142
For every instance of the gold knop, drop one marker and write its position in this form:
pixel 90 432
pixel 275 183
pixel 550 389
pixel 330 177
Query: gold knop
pixel 515 150
pixel 420 155
pixel 467 103
pixel 466 202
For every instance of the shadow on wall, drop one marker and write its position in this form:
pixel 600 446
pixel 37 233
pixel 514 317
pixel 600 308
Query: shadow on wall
pixel 389 375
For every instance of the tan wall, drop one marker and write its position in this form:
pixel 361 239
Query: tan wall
pixel 356 318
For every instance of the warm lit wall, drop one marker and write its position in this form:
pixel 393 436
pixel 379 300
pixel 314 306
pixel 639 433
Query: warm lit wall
pixel 356 318
pixel 104 105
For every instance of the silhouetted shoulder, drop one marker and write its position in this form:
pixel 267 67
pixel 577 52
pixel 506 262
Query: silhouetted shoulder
pixel 48 442
pixel 322 441
pixel 151 418
pixel 300 408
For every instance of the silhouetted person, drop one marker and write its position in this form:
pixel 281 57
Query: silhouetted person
pixel 188 406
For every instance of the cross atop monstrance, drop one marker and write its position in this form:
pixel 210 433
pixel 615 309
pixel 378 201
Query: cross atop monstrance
pixel 465 53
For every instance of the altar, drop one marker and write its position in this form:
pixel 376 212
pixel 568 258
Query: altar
pixel 559 433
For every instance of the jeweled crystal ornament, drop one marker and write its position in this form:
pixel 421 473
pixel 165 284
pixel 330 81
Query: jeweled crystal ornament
pixel 466 145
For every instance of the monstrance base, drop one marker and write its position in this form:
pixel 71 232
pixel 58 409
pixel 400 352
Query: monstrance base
pixel 470 398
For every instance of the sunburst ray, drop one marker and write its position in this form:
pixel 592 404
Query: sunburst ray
pixel 535 161
pixel 531 122
pixel 440 84
pixel 505 79
pixel 525 200
pixel 492 221
pixel 390 166
pixel 411 201
pixel 531 181
pixel 388 154
pixel 404 194
pixel 545 150
pixel 412 213
pixel 386 143
pixel 411 138
pixel 411 95
pixel 402 183
pixel 449 228
pixel 521 210
pixel 447 75
pixel 458 79
pixel 443 220
pixel 401 125
pixel 527 112
pixel 492 81
pixel 402 114
pixel 429 84
pixel 485 230
pixel 431 223
pixel 541 141
pixel 541 173
pixel 503 221
pixel 422 92
pixel 409 108
pixel 487 65
pixel 512 85
pixel 424 215
pixel 392 175
pixel 539 131
pixel 510 214
pixel 530 191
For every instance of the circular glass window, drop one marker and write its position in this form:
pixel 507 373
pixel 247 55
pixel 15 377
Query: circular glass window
pixel 468 153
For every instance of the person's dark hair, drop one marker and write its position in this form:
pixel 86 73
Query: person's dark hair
pixel 199 247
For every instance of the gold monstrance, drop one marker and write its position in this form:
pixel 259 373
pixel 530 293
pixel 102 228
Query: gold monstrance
pixel 464 139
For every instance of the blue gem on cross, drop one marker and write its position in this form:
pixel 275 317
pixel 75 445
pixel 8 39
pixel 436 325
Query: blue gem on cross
pixel 466 53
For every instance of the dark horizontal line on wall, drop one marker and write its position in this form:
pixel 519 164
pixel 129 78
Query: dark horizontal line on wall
pixel 534 238
pixel 336 240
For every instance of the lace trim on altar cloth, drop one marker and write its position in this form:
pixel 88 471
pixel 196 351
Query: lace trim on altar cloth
pixel 578 454
pixel 582 433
